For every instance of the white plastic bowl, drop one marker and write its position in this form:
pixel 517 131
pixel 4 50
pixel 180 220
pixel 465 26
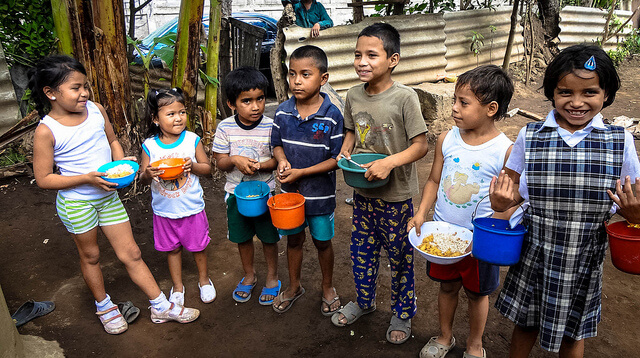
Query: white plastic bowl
pixel 431 227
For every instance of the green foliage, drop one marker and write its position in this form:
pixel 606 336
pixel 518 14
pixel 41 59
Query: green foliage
pixel 477 42
pixel 630 46
pixel 26 30
pixel 10 157
pixel 166 54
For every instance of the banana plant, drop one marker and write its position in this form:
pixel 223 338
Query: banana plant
pixel 166 54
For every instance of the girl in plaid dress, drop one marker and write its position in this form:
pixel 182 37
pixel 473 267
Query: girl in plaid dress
pixel 566 168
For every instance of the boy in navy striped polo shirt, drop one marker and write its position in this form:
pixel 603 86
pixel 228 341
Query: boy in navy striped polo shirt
pixel 307 137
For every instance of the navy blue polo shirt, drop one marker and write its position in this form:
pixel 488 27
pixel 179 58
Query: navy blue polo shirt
pixel 307 142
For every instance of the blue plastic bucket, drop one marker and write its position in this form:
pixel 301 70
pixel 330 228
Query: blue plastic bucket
pixel 251 197
pixel 495 241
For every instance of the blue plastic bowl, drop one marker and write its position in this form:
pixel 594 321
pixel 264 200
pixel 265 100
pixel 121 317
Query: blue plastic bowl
pixel 251 197
pixel 354 175
pixel 495 242
pixel 124 181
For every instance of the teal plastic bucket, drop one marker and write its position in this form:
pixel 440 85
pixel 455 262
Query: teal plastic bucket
pixel 495 241
pixel 354 174
pixel 251 197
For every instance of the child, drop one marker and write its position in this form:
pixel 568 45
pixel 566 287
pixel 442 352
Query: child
pixel 467 158
pixel 383 116
pixel 77 136
pixel 179 219
pixel 555 288
pixel 242 149
pixel 307 135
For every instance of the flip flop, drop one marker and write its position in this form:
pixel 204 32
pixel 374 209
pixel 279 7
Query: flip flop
pixel 402 325
pixel 30 310
pixel 327 303
pixel 273 291
pixel 290 300
pixel 244 289
pixel 129 311
pixel 351 311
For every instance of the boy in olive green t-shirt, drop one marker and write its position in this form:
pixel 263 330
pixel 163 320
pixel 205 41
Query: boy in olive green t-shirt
pixel 383 116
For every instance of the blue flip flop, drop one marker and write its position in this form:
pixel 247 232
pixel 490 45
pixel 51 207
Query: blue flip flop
pixel 30 310
pixel 245 289
pixel 273 291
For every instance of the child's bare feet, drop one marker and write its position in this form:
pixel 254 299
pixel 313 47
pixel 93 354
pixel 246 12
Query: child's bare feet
pixel 283 302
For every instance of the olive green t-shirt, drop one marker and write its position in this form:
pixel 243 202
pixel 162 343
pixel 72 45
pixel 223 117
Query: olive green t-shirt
pixel 385 123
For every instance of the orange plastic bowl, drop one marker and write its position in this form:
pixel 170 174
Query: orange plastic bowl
pixel 172 169
pixel 287 210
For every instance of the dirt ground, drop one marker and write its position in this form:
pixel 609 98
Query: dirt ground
pixel 38 261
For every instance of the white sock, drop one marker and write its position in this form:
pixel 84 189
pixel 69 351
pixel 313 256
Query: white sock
pixel 105 305
pixel 160 303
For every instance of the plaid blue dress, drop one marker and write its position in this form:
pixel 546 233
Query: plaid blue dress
pixel 557 284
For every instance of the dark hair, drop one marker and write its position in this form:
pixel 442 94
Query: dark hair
pixel 387 34
pixel 156 99
pixel 244 79
pixel 313 52
pixel 489 83
pixel 51 72
pixel 574 58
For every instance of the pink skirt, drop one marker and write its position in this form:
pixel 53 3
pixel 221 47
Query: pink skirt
pixel 191 232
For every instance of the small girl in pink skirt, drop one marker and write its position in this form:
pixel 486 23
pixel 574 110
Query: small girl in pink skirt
pixel 179 219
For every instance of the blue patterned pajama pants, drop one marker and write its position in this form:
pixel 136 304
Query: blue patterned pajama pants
pixel 379 224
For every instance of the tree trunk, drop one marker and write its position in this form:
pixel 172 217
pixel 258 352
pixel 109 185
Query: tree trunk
pixel 277 55
pixel 550 15
pixel 187 54
pixel 512 31
pixel 112 69
pixel 62 24
pixel 210 89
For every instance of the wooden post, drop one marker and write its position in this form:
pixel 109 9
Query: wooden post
pixel 187 54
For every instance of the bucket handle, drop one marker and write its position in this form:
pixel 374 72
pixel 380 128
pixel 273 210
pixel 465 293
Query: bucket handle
pixel 473 215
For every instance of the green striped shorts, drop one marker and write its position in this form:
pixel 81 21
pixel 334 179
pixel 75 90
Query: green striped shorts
pixel 80 216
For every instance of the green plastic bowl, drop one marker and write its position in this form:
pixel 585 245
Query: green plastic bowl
pixel 354 175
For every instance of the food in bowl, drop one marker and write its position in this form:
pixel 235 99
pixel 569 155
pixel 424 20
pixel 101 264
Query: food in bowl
pixel 444 245
pixel 119 171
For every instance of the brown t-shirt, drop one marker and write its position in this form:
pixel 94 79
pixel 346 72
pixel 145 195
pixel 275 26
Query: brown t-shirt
pixel 385 123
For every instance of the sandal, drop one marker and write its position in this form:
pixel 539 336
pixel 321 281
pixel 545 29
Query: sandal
pixel 351 312
pixel 114 325
pixel 129 311
pixel 177 297
pixel 185 315
pixel 30 310
pixel 401 325
pixel 245 289
pixel 467 355
pixel 433 349
pixel 273 291
pixel 327 303
pixel 276 307
pixel 207 292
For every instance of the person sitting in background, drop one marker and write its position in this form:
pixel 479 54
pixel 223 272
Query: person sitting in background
pixel 310 14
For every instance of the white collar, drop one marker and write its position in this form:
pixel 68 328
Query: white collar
pixel 596 122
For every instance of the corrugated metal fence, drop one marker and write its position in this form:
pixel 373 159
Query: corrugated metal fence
pixel 585 24
pixel 432 44
pixel 9 110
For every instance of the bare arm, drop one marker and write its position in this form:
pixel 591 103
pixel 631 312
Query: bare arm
pixel 202 166
pixel 348 143
pixel 117 153
pixel 430 191
pixel 503 190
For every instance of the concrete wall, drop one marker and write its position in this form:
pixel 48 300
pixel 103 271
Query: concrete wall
pixel 10 341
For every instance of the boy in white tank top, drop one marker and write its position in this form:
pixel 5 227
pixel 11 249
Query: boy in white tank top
pixel 467 158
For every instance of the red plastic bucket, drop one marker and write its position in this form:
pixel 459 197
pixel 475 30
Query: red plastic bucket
pixel 624 243
pixel 287 210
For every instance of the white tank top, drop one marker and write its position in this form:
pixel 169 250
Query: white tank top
pixel 180 197
pixel 80 150
pixel 466 174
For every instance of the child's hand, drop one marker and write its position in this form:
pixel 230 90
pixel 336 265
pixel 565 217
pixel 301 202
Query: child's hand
pixel 153 172
pixel 283 165
pixel 501 192
pixel 246 166
pixel 188 163
pixel 133 159
pixel 290 175
pixel 628 202
pixel 377 170
pixel 95 179
pixel 416 221
pixel 344 154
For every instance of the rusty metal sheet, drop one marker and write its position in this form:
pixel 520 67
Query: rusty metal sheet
pixel 586 25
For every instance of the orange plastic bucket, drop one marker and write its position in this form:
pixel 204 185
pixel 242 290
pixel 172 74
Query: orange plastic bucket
pixel 624 243
pixel 287 210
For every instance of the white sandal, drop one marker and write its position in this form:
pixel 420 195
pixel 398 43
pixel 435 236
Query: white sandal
pixel 115 324
pixel 207 292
